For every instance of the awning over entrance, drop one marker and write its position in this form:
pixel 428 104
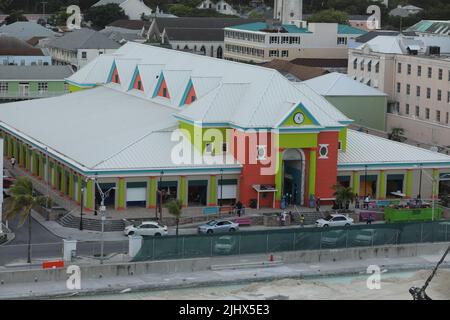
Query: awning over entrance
pixel 264 188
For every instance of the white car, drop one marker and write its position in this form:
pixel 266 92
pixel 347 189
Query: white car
pixel 148 228
pixel 334 220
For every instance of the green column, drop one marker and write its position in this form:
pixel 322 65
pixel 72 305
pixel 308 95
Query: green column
pixel 14 151
pixel 21 155
pixel 382 185
pixel 27 158
pixel 408 183
pixel 71 185
pixel 55 175
pixel 152 195
pixel 41 165
pixel 48 175
pixel 9 146
pixel 89 190
pixel 35 162
pixel 79 185
pixel 121 198
pixel 278 176
pixel 183 192
pixel 355 182
pixel 435 188
pixel 312 173
pixel 5 144
pixel 62 187
pixel 212 191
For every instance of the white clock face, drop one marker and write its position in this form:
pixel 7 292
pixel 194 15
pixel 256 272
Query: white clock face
pixel 299 118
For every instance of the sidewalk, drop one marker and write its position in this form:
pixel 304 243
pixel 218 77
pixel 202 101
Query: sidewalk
pixel 212 278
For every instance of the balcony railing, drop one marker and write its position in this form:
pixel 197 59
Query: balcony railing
pixel 30 95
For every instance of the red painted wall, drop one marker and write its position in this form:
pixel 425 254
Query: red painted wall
pixel 161 88
pixel 115 73
pixel 251 171
pixel 191 94
pixel 135 84
pixel 326 169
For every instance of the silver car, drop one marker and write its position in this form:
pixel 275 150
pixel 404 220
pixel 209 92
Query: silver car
pixel 218 226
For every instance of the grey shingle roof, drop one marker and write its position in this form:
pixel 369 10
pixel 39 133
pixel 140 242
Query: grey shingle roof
pixel 35 72
pixel 26 30
pixel 83 39
pixel 194 34
pixel 200 22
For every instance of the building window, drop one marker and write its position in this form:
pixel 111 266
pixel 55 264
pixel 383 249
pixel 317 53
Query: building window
pixel 418 91
pixel 407 109
pixel 116 78
pixel 399 67
pixel 440 74
pixel 427 113
pixel 439 95
pixel 139 85
pixel 409 69
pixel 164 93
pixel 417 111
pixel 448 96
pixel 323 151
pixel 274 40
pixel 285 53
pixel 408 89
pixel 448 75
pixel 377 67
pixel 428 93
pixel 446 118
pixel 342 40
pixel 355 64
pixel 224 147
pixel 438 116
pixel 209 148
pixel 430 72
pixel 3 86
pixel 339 145
pixel 273 53
pixel 83 54
pixel 419 71
pixel 361 64
pixel 42 87
pixel 399 87
pixel 369 66
pixel 262 152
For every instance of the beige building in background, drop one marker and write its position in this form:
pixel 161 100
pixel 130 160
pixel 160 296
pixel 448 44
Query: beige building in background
pixel 415 74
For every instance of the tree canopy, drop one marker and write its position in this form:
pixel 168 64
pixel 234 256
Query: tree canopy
pixel 103 15
pixel 329 16
pixel 15 16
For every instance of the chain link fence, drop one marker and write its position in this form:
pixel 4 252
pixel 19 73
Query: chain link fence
pixel 190 246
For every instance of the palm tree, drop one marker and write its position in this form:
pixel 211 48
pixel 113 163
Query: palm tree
pixel 174 208
pixel 20 203
pixel 344 195
pixel 397 134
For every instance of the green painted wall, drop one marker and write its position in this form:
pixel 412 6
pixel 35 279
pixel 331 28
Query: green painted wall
pixel 343 139
pixel 297 140
pixel 212 191
pixel 365 111
pixel 289 122
pixel 74 88
pixel 197 134
pixel 53 86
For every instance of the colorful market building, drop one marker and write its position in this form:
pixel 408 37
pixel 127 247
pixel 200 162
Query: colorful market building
pixel 208 132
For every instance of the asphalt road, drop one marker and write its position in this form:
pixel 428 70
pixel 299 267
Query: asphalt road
pixel 46 245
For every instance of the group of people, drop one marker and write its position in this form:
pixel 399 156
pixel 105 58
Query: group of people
pixel 365 202
pixel 284 215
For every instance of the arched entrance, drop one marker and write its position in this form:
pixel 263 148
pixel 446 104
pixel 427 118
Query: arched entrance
pixel 293 176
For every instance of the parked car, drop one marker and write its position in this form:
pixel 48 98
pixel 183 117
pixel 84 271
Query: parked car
pixel 334 220
pixel 146 228
pixel 225 245
pixel 218 226
pixel 333 238
pixel 365 237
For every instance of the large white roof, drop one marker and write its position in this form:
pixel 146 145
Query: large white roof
pixel 365 149
pixel 338 84
pixel 265 96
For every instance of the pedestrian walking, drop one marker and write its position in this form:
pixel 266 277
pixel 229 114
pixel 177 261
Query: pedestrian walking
pixel 366 202
pixel 356 201
pixel 302 220
pixel 13 161
pixel 318 204
pixel 283 218
pixel 239 208
pixel 369 219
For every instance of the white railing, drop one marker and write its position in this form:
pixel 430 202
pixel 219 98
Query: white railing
pixel 30 95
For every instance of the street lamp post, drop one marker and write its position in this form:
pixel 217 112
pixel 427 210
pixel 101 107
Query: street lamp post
pixel 82 204
pixel 420 181
pixel 103 196
pixel 160 195
pixel 365 180
pixel 221 187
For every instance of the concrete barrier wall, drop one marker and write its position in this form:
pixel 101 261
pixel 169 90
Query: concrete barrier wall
pixel 200 264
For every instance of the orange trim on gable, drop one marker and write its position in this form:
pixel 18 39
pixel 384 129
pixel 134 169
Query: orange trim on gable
pixel 136 82
pixel 163 88
pixel 191 96
pixel 115 76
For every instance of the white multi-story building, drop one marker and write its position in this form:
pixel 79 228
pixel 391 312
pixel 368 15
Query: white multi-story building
pixel 415 73
pixel 220 6
pixel 288 37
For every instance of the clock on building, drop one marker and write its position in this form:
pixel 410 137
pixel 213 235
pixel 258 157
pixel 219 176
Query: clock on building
pixel 299 118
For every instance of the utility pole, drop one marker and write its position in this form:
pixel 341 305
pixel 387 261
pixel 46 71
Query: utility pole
pixel 44 3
